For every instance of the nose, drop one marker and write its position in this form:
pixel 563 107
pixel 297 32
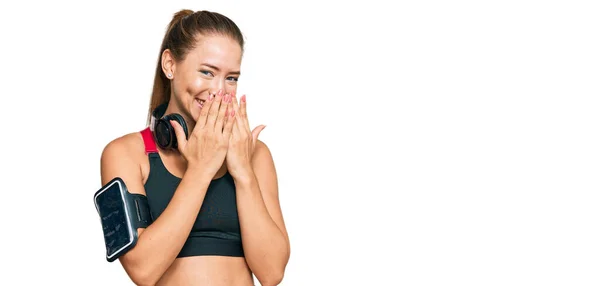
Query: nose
pixel 220 84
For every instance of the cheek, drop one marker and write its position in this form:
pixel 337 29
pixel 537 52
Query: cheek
pixel 197 85
pixel 233 89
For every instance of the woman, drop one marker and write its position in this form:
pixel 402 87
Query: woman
pixel 214 197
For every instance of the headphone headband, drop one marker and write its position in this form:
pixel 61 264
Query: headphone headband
pixel 157 114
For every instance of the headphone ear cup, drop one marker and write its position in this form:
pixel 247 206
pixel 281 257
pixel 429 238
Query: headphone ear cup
pixel 164 134
pixel 181 122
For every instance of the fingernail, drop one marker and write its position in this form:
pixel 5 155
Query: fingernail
pixel 210 97
pixel 220 92
pixel 244 98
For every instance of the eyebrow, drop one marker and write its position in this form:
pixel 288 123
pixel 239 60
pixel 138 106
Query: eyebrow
pixel 217 69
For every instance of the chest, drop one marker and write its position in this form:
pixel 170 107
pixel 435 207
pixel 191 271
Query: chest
pixel 219 207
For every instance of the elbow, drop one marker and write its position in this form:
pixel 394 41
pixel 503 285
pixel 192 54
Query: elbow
pixel 272 278
pixel 143 280
pixel 141 275
pixel 272 275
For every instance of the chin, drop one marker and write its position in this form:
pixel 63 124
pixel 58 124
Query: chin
pixel 194 110
pixel 193 115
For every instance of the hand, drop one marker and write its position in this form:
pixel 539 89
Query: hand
pixel 242 141
pixel 206 147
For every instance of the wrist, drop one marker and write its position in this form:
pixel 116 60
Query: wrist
pixel 198 173
pixel 243 177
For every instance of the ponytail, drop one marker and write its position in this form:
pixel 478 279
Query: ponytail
pixel 161 91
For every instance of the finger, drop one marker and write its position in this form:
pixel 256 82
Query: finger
pixel 201 120
pixel 179 134
pixel 256 132
pixel 222 115
pixel 234 102
pixel 240 124
pixel 244 112
pixel 228 128
pixel 229 113
pixel 237 132
pixel 213 112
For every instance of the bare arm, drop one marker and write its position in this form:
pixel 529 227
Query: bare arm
pixel 159 244
pixel 264 236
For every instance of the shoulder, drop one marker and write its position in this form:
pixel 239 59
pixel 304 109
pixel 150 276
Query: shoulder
pixel 262 160
pixel 124 146
pixel 123 157
pixel 262 151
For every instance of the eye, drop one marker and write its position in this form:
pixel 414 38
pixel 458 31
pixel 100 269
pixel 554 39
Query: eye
pixel 208 73
pixel 232 78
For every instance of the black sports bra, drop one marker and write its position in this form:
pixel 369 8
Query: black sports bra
pixel 216 230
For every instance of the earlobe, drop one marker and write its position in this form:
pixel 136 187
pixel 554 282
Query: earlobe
pixel 167 63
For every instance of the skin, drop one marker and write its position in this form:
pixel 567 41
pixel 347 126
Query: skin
pixel 229 146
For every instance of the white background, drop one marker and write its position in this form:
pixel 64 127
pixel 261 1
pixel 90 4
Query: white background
pixel 426 143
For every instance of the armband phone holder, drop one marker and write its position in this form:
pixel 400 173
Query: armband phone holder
pixel 121 214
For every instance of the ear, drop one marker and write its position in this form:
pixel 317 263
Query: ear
pixel 168 63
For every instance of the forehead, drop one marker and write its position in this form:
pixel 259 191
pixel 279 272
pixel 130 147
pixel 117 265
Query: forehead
pixel 220 51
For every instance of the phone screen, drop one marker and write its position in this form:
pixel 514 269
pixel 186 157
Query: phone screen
pixel 115 223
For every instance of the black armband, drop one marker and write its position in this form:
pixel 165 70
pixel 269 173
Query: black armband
pixel 121 214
